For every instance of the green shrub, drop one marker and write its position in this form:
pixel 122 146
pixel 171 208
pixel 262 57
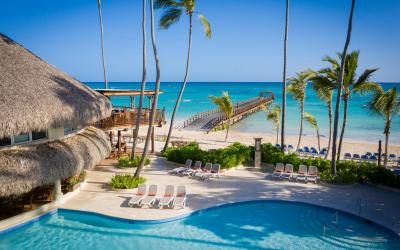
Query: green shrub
pixel 126 181
pixel 126 162
pixel 73 180
pixel 82 174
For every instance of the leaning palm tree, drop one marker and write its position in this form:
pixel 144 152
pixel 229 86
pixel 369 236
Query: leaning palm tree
pixel 340 86
pixel 274 115
pixel 386 104
pixel 102 44
pixel 156 93
pixel 324 86
pixel 143 85
pixel 284 76
pixel 297 87
pixel 225 104
pixel 172 14
pixel 351 83
pixel 310 119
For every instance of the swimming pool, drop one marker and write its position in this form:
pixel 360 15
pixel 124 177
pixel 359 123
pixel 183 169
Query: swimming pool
pixel 249 225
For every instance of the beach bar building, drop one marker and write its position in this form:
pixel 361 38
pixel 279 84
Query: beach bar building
pixel 45 117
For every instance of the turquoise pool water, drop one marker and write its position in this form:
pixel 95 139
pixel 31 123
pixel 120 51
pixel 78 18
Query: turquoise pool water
pixel 252 225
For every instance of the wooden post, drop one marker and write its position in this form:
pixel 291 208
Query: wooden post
pixel 133 103
pixel 119 143
pixel 111 137
pixel 152 141
pixel 379 152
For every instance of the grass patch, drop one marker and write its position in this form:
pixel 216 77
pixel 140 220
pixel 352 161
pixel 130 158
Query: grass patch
pixel 126 181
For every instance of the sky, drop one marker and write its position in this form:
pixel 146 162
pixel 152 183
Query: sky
pixel 247 41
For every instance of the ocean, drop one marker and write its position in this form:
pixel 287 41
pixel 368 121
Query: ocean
pixel 361 124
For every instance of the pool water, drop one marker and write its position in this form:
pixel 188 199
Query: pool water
pixel 252 225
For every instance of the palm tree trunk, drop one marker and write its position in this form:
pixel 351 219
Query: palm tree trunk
pixel 102 45
pixel 227 132
pixel 155 100
pixel 330 128
pixel 178 100
pixel 319 141
pixel 346 102
pixel 143 86
pixel 339 89
pixel 284 76
pixel 277 134
pixel 301 122
pixel 387 132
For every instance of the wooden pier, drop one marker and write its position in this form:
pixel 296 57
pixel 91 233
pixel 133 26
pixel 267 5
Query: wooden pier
pixel 215 119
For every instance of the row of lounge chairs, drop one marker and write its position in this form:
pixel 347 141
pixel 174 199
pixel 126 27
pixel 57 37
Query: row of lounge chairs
pixel 305 151
pixel 287 172
pixel 169 199
pixel 198 171
pixel 368 156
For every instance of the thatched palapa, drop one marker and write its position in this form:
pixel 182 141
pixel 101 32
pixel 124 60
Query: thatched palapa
pixel 24 169
pixel 34 95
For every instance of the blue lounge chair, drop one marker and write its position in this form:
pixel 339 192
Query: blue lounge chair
pixel 364 158
pixel 356 157
pixel 392 157
pixel 322 153
pixel 369 154
pixel 290 147
pixel 376 154
pixel 347 156
pixel 373 158
pixel 278 145
pixel 306 150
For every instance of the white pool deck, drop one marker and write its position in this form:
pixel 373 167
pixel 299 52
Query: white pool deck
pixel 242 184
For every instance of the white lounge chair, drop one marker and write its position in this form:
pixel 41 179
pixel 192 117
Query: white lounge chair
pixel 312 174
pixel 168 197
pixel 278 170
pixel 191 171
pixel 180 198
pixel 302 173
pixel 140 193
pixel 178 170
pixel 150 198
pixel 207 169
pixel 288 173
pixel 213 173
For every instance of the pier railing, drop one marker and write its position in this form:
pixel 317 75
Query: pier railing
pixel 198 116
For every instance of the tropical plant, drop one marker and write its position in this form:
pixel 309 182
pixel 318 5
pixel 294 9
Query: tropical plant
pixel 126 181
pixel 102 44
pixel 156 93
pixel 173 11
pixel 135 131
pixel 127 162
pixel 310 119
pixel 274 115
pixel 284 76
pixel 225 104
pixel 297 87
pixel 324 86
pixel 386 104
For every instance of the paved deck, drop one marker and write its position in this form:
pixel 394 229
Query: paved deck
pixel 242 184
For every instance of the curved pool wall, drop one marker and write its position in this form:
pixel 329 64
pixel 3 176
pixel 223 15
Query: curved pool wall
pixel 214 227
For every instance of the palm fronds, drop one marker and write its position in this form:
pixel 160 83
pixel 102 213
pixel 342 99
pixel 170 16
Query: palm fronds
pixel 224 102
pixel 170 17
pixel 206 25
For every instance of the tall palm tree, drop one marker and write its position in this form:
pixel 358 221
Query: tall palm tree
pixel 102 44
pixel 284 76
pixel 172 14
pixel 310 119
pixel 324 86
pixel 143 85
pixel 225 104
pixel 297 87
pixel 156 93
pixel 386 104
pixel 274 115
pixel 351 83
pixel 340 86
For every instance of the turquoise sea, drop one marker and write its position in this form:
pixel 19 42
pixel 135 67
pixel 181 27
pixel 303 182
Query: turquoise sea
pixel 361 124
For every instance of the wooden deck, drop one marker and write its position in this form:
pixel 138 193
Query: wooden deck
pixel 215 119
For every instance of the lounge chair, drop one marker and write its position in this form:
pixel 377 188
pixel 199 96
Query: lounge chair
pixel 278 145
pixel 288 173
pixel 206 169
pixel 279 168
pixel 300 152
pixel 150 198
pixel 392 157
pixel 290 147
pixel 213 173
pixel 168 197
pixel 369 154
pixel 302 173
pixel 376 154
pixel 356 157
pixel 314 152
pixel 312 174
pixel 178 170
pixel 322 154
pixel 180 198
pixel 306 150
pixel 347 156
pixel 364 158
pixel 191 171
pixel 373 158
pixel 140 193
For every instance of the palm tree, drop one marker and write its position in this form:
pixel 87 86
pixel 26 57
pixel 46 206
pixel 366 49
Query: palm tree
pixel 172 14
pixel 143 85
pixel 313 122
pixel 225 104
pixel 386 104
pixel 351 83
pixel 273 115
pixel 324 86
pixel 156 93
pixel 284 76
pixel 297 87
pixel 102 44
pixel 340 86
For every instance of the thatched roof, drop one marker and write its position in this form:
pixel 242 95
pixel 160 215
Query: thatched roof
pixel 26 168
pixel 34 95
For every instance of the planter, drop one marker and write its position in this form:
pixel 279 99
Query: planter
pixel 72 188
pixel 130 191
